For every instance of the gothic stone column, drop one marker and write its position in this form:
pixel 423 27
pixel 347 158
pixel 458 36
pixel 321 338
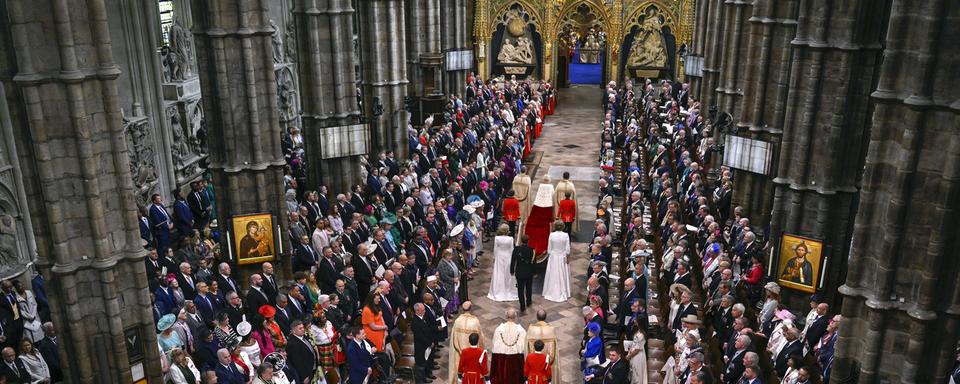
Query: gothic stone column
pixel 235 61
pixel 826 125
pixel 385 72
pixel 69 134
pixel 901 299
pixel 767 69
pixel 331 118
pixel 730 87
pixel 453 37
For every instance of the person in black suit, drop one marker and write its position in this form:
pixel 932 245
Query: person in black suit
pixel 48 349
pixel 234 309
pixel 735 364
pixel 283 317
pixel 364 267
pixel 423 339
pixel 623 308
pixel 225 282
pixel 686 308
pixel 304 256
pixel 327 271
pixel 819 326
pixel 256 298
pixel 188 285
pixel 12 368
pixel 228 372
pixel 594 288
pixel 269 286
pixel 614 373
pixel 199 205
pixel 146 232
pixel 521 266
pixel 793 347
pixel 683 275
pixel 152 264
pixel 301 353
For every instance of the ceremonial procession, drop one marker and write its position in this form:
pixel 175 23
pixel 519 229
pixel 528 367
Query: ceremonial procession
pixel 479 192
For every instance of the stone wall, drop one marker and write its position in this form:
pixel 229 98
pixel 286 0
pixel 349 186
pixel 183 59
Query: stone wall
pixel 901 296
pixel 65 115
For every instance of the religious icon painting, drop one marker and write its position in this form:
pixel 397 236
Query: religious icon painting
pixel 800 263
pixel 253 238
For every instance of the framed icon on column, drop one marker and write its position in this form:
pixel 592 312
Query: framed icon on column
pixel 253 238
pixel 800 264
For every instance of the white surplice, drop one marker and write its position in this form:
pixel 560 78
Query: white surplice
pixel 556 281
pixel 503 286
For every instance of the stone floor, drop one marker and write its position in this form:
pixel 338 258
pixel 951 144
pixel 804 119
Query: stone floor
pixel 570 142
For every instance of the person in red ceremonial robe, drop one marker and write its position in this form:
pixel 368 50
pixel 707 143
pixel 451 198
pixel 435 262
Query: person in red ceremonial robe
pixel 511 211
pixel 540 219
pixel 567 212
pixel 473 367
pixel 538 367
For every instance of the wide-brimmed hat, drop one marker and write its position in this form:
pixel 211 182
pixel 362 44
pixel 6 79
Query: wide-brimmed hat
pixel 677 289
pixel 469 208
pixel 371 247
pixel 691 319
pixel 772 287
pixel 267 311
pixel 431 278
pixel 458 229
pixel 166 322
pixel 785 314
pixel 477 203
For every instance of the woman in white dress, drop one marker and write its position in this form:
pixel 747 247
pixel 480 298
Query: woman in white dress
pixel 556 282
pixel 503 286
pixel 637 355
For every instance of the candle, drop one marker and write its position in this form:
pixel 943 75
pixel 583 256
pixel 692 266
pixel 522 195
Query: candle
pixel 229 247
pixel 279 240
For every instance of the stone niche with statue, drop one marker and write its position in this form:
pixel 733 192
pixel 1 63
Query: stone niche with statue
pixel 516 45
pixel 183 107
pixel 648 48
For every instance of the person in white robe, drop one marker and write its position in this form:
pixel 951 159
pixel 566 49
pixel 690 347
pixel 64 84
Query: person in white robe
pixel 556 282
pixel 509 346
pixel 503 285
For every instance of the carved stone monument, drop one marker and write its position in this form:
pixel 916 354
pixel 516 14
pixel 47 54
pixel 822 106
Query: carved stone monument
pixel 183 110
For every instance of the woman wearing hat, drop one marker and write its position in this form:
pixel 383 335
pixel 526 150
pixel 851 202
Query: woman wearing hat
pixel 241 359
pixel 770 303
pixel 271 330
pixel 593 351
pixel 249 345
pixel 261 335
pixel 324 337
pixel 167 338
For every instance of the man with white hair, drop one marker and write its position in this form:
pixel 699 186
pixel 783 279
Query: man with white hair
pixel 509 346
pixel 736 364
